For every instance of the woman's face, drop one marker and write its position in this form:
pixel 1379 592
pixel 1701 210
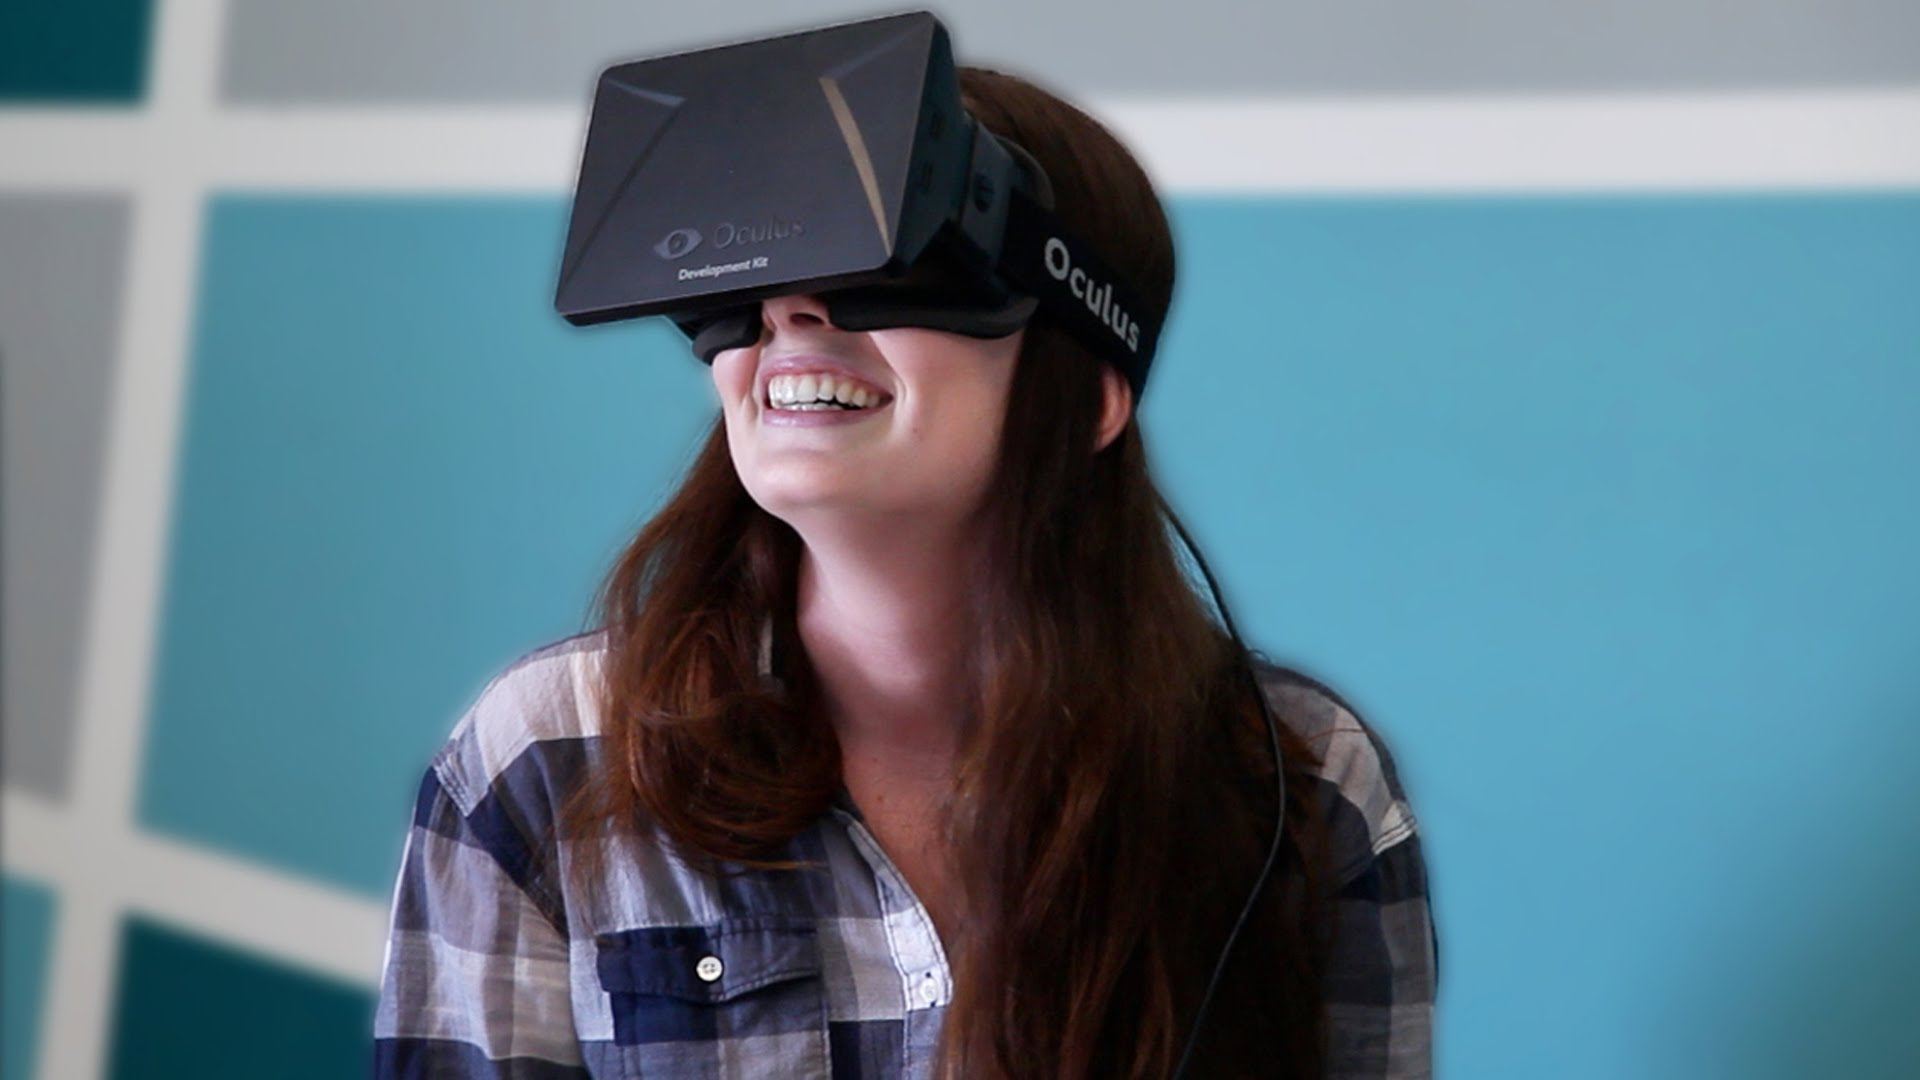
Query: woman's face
pixel 920 458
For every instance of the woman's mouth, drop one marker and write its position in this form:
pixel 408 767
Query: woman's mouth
pixel 815 399
pixel 822 388
pixel 819 414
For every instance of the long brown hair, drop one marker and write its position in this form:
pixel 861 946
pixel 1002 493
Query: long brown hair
pixel 1113 798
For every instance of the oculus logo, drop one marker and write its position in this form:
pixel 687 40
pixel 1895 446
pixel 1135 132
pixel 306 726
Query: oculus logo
pixel 1097 296
pixel 678 243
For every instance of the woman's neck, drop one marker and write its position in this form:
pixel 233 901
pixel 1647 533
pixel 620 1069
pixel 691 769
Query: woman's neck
pixel 883 633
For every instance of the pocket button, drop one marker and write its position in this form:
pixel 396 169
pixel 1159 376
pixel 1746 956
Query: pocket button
pixel 709 968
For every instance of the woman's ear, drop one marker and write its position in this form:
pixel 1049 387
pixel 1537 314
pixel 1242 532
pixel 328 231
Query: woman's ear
pixel 1116 406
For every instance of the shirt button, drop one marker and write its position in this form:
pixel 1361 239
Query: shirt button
pixel 929 990
pixel 708 968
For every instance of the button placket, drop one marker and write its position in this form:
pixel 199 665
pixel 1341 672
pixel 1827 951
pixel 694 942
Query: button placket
pixel 916 944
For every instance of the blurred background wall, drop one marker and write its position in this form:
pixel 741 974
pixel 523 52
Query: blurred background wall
pixel 1544 376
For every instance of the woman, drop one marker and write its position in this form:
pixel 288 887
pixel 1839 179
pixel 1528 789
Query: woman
pixel 905 747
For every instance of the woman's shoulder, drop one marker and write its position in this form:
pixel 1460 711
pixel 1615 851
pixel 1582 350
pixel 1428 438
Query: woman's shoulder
pixel 530 716
pixel 1362 791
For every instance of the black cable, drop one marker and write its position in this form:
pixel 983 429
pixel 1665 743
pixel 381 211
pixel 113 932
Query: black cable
pixel 1279 825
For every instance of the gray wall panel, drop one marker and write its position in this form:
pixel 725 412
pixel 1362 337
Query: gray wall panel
pixel 518 50
pixel 60 284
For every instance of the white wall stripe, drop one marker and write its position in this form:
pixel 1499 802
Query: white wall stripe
pixel 1562 143
pixel 1758 140
pixel 142 422
pixel 320 928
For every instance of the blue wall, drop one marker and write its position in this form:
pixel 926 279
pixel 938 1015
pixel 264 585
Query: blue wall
pixel 1599 507
pixel 1605 509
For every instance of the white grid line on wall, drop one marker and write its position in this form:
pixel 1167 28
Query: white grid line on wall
pixel 95 887
pixel 1825 140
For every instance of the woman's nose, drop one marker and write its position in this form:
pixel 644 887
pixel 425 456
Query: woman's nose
pixel 795 311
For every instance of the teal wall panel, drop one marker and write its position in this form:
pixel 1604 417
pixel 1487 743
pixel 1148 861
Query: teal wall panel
pixel 1596 506
pixel 1603 509
pixel 186 1006
pixel 87 51
pixel 27 913
pixel 400 469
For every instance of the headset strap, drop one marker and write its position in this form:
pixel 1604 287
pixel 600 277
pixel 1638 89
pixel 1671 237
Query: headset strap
pixel 1043 258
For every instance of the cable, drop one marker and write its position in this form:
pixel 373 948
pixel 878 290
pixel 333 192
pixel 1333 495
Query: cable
pixel 1279 771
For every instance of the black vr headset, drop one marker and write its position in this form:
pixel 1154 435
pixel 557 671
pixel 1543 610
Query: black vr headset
pixel 837 162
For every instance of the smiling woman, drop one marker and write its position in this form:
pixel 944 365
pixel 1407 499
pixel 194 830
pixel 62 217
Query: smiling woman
pixel 906 747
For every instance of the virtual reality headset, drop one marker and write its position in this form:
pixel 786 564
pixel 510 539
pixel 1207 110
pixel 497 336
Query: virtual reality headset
pixel 837 162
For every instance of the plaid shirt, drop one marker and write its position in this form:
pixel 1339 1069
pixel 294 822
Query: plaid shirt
pixel 494 968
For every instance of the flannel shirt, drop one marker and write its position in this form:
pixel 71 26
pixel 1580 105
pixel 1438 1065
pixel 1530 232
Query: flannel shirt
pixel 494 968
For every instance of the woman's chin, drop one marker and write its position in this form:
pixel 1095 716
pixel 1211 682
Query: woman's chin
pixel 808 493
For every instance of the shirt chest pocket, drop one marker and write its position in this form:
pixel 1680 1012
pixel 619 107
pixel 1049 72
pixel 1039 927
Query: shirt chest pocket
pixel 739 998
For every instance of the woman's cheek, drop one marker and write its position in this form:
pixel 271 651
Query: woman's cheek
pixel 733 378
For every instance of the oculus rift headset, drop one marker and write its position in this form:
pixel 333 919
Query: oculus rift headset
pixel 840 162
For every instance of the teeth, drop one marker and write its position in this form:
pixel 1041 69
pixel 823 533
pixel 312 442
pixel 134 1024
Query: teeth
pixel 791 391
